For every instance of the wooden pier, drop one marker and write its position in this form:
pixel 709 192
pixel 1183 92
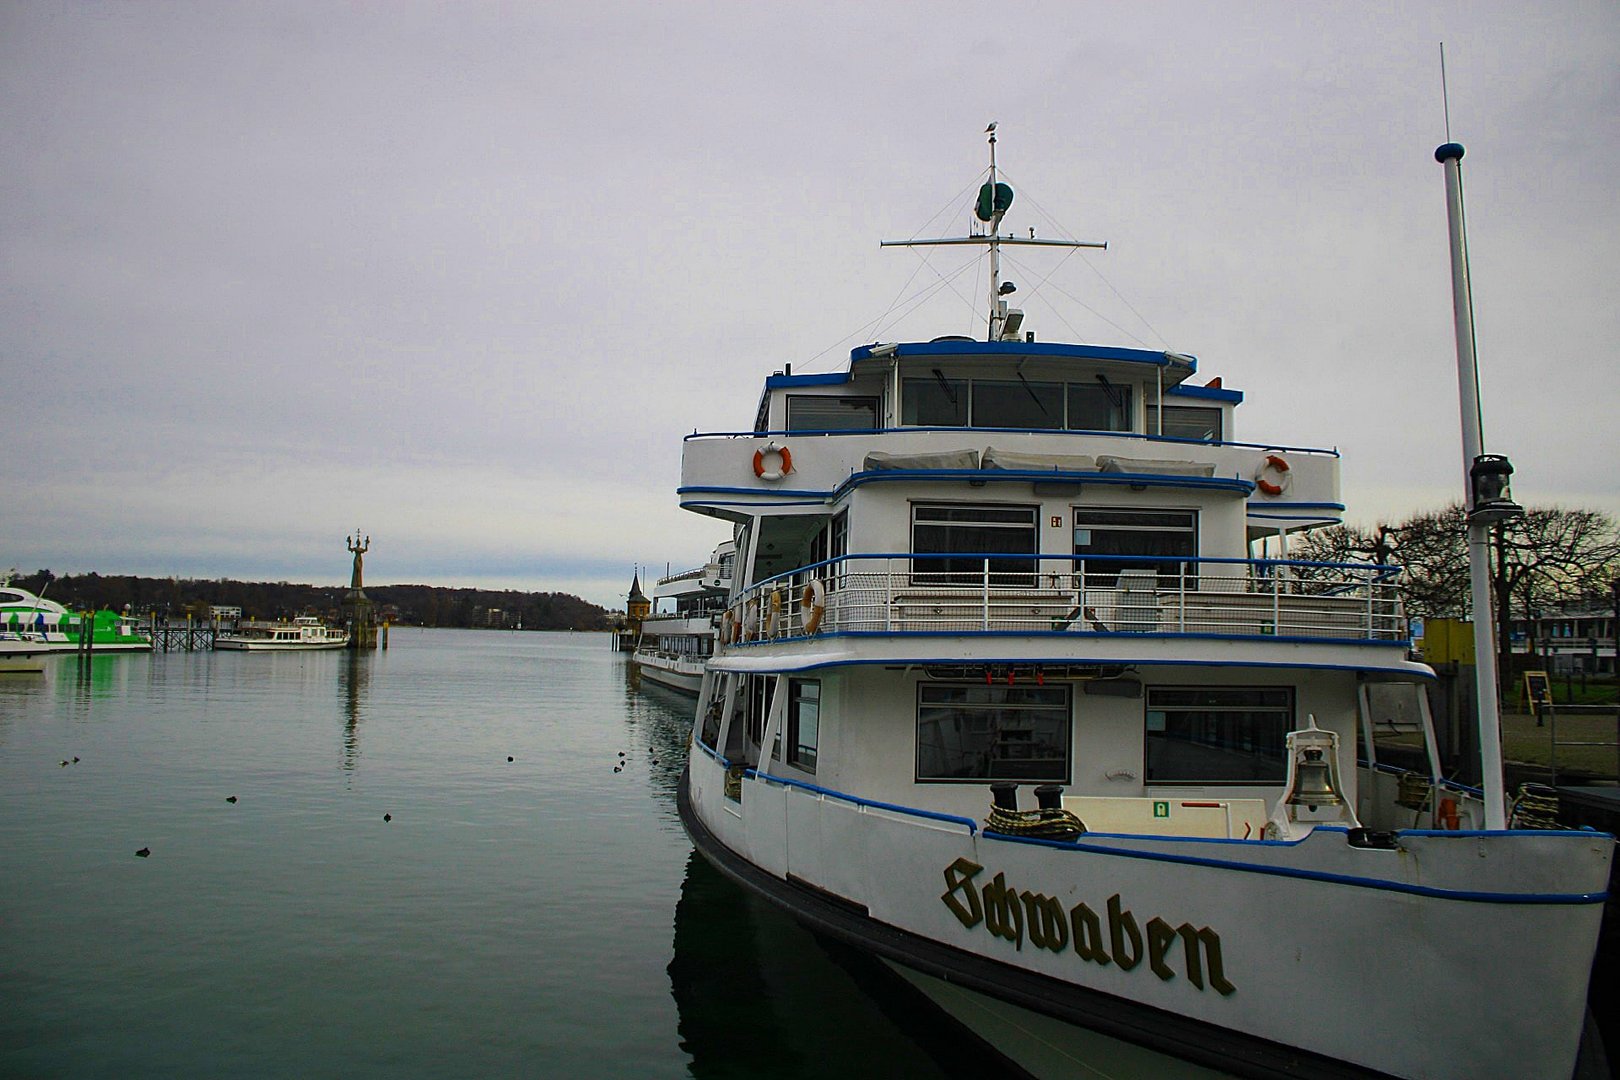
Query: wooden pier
pixel 181 637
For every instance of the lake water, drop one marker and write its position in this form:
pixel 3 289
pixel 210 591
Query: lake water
pixel 526 910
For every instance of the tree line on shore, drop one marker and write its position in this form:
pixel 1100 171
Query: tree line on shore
pixel 415 605
pixel 1548 558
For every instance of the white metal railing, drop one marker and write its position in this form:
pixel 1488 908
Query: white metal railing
pixel 1012 593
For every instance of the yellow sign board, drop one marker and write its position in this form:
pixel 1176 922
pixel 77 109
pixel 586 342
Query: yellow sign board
pixel 1537 692
pixel 1448 641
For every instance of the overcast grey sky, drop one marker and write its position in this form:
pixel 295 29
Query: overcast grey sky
pixel 464 274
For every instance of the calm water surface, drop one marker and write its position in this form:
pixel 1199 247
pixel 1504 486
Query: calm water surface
pixel 542 916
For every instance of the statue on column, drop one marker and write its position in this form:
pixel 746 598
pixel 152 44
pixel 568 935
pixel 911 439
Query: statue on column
pixel 354 544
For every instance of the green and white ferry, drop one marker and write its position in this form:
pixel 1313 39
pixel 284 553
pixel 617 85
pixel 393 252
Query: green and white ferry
pixel 36 618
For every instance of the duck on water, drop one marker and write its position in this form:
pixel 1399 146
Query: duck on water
pixel 1020 709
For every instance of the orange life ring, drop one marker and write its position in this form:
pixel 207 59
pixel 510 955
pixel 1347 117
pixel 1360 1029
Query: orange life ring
pixel 784 464
pixel 1273 465
pixel 815 599
pixel 773 616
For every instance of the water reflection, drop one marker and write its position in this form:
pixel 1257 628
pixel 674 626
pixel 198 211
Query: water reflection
pixel 354 680
pixel 746 978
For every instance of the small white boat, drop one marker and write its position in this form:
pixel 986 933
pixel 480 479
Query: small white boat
pixel 304 633
pixel 23 654
pixel 676 643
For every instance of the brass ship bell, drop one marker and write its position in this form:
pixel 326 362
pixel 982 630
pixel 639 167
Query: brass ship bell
pixel 1313 780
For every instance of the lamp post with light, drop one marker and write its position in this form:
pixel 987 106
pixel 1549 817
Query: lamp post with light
pixel 1489 501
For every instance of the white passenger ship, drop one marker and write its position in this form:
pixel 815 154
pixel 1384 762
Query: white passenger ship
pixel 678 637
pixel 303 634
pixel 1019 572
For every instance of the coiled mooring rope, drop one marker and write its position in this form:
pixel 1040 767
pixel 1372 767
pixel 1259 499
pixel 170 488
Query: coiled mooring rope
pixel 1535 807
pixel 1047 824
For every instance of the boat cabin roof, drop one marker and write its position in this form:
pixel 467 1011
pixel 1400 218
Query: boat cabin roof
pixel 870 364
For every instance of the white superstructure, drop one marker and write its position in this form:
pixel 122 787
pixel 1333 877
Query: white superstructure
pixel 678 637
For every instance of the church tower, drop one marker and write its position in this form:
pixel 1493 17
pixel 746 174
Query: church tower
pixel 638 607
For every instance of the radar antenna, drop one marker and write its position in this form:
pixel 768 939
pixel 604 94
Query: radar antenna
pixel 995 198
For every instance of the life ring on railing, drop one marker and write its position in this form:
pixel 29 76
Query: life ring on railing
pixel 784 463
pixel 726 627
pixel 773 614
pixel 1273 466
pixel 750 620
pixel 815 599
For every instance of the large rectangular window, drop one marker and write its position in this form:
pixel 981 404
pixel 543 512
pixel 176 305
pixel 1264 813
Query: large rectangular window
pixel 1022 404
pixel 976 732
pixel 1170 536
pixel 965 534
pixel 1218 735
pixel 1100 407
pixel 804 723
pixel 1192 422
pixel 817 412
pixel 934 402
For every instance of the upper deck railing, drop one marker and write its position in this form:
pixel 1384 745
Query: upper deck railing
pixel 1027 594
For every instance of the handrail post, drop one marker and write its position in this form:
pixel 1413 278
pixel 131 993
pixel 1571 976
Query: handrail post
pixel 1276 600
pixel 888 596
pixel 1372 630
pixel 1181 603
pixel 986 594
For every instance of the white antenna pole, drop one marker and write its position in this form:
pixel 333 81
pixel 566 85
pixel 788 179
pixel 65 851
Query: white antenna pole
pixel 996 302
pixel 1479 548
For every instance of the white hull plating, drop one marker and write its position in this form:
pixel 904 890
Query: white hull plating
pixel 1408 961
pixel 677 673
pixel 247 645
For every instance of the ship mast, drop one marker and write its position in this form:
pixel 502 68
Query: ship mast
pixel 994 200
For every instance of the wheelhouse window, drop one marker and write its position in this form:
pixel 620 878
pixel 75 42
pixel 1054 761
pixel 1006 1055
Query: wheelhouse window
pixel 804 723
pixel 934 402
pixel 1099 407
pixel 1022 404
pixel 976 732
pixel 1218 735
pixel 807 412
pixel 1199 422
pixel 1111 540
pixel 961 537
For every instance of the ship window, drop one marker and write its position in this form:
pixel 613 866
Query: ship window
pixel 806 412
pixel 1100 407
pixel 977 732
pixel 934 402
pixel 964 535
pixel 1192 422
pixel 1017 405
pixel 804 723
pixel 1100 533
pixel 1218 735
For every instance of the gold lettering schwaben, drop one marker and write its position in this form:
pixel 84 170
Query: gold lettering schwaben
pixel 1023 916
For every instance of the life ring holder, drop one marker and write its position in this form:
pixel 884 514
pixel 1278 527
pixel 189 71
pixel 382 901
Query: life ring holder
pixel 1273 477
pixel 784 462
pixel 815 600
